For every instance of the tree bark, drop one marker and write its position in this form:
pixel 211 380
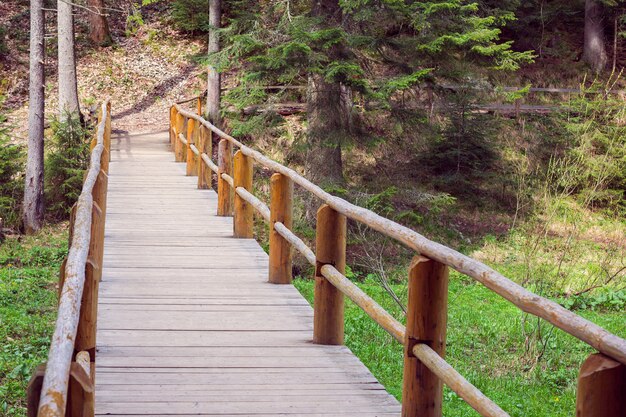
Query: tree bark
pixel 213 77
pixel 594 51
pixel 33 205
pixel 329 108
pixel 68 88
pixel 99 32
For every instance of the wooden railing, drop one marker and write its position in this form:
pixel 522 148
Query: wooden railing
pixel 602 376
pixel 64 386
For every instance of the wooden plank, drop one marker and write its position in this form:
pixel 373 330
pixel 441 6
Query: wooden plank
pixel 241 408
pixel 218 362
pixel 201 338
pixel 266 387
pixel 187 321
pixel 233 351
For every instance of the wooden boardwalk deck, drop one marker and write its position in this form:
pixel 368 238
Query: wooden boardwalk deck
pixel 188 325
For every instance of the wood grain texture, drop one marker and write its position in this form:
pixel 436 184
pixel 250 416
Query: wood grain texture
pixel 579 327
pixel 224 190
pixel 187 322
pixel 427 317
pixel 243 217
pixel 601 388
pixel 55 382
pixel 281 210
pixel 205 147
pixel 328 300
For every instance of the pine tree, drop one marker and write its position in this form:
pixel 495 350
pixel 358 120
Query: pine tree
pixel 340 48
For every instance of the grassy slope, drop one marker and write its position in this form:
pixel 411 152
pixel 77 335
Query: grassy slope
pixel 28 276
pixel 485 344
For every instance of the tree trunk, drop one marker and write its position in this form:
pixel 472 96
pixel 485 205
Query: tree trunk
pixel 33 190
pixel 213 77
pixel 594 51
pixel 329 108
pixel 68 88
pixel 98 26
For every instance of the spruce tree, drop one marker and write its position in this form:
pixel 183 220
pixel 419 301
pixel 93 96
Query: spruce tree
pixel 371 49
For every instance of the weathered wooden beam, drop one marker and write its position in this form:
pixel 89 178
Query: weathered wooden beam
pixel 205 147
pixel 225 166
pixel 243 221
pixel 426 320
pixel 328 300
pixel 281 210
pixel 583 329
pixel 601 388
pixel 55 388
pixel 192 168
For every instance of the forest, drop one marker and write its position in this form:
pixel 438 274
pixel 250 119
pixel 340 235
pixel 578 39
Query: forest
pixel 497 128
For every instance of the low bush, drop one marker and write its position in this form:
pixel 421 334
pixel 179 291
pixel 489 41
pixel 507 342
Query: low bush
pixel 11 176
pixel 66 162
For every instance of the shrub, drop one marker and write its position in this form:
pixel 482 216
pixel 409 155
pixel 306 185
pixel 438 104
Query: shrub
pixel 11 176
pixel 67 160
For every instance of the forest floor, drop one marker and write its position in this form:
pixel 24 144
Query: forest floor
pixel 147 68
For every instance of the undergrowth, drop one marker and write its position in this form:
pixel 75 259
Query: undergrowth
pixel 29 272
pixel 486 343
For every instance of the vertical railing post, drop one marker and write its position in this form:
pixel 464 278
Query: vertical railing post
pixel 281 210
pixel 601 388
pixel 199 106
pixel 243 221
pixel 427 316
pixel 328 301
pixel 225 166
pixel 173 119
pixel 192 169
pixel 205 146
pixel 178 145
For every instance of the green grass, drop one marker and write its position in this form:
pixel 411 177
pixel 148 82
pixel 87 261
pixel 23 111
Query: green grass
pixel 486 345
pixel 29 270
pixel 486 342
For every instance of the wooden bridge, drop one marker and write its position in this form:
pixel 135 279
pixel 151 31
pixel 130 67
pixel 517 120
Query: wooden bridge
pixel 170 307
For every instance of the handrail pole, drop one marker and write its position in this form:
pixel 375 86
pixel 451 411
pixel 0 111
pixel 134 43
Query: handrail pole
pixel 243 221
pixel 568 321
pixel 328 301
pixel 205 174
pixel 54 387
pixel 281 210
pixel 426 319
pixel 192 168
pixel 601 387
pixel 224 190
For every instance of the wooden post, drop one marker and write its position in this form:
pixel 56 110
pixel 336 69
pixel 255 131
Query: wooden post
pixel 427 316
pixel 81 398
pixel 281 210
pixel 178 145
pixel 243 222
pixel 328 300
pixel 601 388
pixel 173 118
pixel 192 169
pixel 86 333
pixel 225 166
pixel 205 174
pixel 199 106
pixel 80 393
pixel 107 141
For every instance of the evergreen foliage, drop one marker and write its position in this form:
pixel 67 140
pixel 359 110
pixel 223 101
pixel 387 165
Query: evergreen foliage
pixel 66 162
pixel 594 166
pixel 11 176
